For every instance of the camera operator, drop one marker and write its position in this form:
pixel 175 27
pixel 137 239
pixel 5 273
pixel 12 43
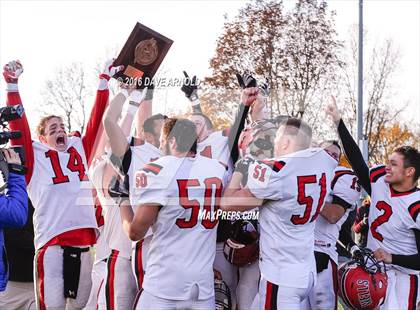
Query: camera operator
pixel 19 244
pixel 13 202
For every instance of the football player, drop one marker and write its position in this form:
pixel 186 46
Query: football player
pixel 119 287
pixel 394 233
pixel 57 183
pixel 290 191
pixel 178 195
pixel 345 191
pixel 128 157
pixel 222 145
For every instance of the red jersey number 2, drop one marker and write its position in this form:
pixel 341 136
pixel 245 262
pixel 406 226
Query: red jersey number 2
pixel 75 164
pixel 381 219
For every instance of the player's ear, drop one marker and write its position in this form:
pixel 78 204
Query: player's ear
pixel 172 143
pixel 42 139
pixel 409 172
pixel 148 136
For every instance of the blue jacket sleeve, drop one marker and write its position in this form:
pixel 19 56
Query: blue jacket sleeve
pixel 14 204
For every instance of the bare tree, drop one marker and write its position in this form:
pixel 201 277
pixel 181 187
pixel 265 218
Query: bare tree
pixel 381 114
pixel 66 95
pixel 296 50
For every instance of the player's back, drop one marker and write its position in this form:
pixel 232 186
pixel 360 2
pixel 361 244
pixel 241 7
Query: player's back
pixel 183 247
pixel 294 188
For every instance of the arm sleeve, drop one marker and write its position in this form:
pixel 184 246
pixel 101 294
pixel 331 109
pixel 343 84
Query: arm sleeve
pixel 14 205
pixel 13 98
pixel 94 122
pixel 235 131
pixel 409 261
pixel 355 156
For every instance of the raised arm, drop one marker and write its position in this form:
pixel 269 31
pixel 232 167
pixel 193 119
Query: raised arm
pixel 190 88
pixel 115 132
pixel 102 96
pixel 144 112
pixel 351 149
pixel 11 73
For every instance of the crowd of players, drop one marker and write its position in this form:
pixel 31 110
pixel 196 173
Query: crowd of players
pixel 151 213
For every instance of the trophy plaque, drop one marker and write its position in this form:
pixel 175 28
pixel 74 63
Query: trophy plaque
pixel 141 56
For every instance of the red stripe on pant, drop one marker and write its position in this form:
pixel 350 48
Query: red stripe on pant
pixel 97 294
pixel 335 281
pixel 271 296
pixel 412 296
pixel 136 300
pixel 40 274
pixel 110 285
pixel 139 264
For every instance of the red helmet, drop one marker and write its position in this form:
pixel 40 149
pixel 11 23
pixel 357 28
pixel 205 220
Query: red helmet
pixel 363 282
pixel 242 247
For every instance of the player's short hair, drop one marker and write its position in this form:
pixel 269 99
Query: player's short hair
pixel 207 120
pixel 40 129
pixel 149 124
pixel 328 143
pixel 411 159
pixel 184 132
pixel 298 128
pixel 331 142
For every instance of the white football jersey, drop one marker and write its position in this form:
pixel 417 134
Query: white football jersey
pixel 216 146
pixel 101 173
pixel 60 191
pixel 183 245
pixel 142 153
pixel 392 218
pixel 345 191
pixel 294 188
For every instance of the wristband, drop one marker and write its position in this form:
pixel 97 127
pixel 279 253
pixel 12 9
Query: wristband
pixel 137 95
pixel 132 107
pixel 12 87
pixel 195 102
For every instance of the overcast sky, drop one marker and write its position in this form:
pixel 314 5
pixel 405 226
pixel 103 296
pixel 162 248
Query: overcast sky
pixel 47 34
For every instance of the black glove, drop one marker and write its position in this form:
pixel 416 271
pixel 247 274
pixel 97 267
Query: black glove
pixel 190 87
pixel 118 190
pixel 246 80
pixel 265 88
pixel 242 166
pixel 356 252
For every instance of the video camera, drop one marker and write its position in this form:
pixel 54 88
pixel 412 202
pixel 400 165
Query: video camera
pixel 8 114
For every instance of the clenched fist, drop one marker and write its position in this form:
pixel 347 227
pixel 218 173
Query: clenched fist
pixel 12 71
